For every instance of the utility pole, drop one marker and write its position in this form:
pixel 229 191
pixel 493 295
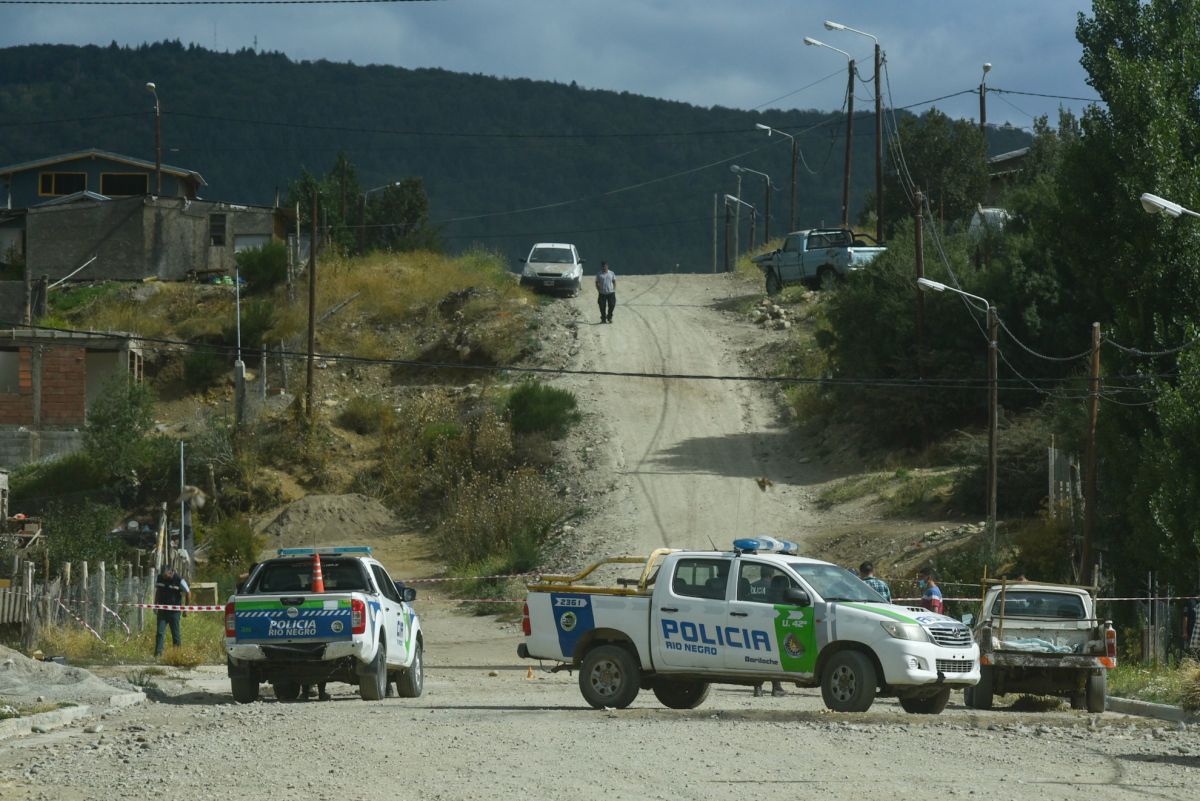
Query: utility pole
pixel 714 242
pixel 993 414
pixel 727 237
pixel 849 145
pixel 362 223
pixel 792 210
pixel 1089 491
pixel 737 221
pixel 767 214
pixel 878 148
pixel 312 312
pixel 753 227
pixel 918 238
pixel 983 99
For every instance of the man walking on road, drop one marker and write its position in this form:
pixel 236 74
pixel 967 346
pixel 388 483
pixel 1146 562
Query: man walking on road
pixel 170 589
pixel 866 572
pixel 606 287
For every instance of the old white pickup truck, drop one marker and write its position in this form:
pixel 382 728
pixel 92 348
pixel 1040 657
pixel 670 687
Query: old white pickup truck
pixel 1042 639
pixel 299 619
pixel 757 613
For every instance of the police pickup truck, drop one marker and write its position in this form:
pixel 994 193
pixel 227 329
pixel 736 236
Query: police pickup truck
pixel 1042 639
pixel 757 613
pixel 317 615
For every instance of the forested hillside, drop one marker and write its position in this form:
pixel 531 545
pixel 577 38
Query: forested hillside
pixel 628 178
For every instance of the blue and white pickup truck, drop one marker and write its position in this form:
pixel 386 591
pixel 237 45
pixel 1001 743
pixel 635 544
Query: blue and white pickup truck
pixel 757 613
pixel 815 257
pixel 358 628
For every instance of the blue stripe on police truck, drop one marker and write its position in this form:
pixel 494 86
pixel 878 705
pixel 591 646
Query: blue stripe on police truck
pixel 573 617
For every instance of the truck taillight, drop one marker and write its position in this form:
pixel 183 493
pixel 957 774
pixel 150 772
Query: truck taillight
pixel 230 627
pixel 1110 642
pixel 358 616
pixel 525 626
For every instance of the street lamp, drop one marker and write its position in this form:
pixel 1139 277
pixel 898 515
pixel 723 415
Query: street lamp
pixel 362 213
pixel 808 40
pixel 737 212
pixel 766 205
pixel 1153 204
pixel 795 151
pixel 993 400
pixel 753 213
pixel 152 89
pixel 837 26
pixel 987 67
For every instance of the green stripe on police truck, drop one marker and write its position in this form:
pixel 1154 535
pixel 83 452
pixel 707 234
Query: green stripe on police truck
pixel 797 638
pixel 881 611
pixel 269 605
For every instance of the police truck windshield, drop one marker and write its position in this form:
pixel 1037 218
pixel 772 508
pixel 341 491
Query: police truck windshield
pixel 835 583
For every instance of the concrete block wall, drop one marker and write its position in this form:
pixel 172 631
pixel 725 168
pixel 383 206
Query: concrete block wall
pixel 63 386
pixel 17 408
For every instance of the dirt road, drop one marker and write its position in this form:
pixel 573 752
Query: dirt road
pixel 683 458
pixel 671 462
pixel 482 730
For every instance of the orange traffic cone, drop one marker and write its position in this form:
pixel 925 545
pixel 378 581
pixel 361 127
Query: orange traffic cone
pixel 529 674
pixel 318 578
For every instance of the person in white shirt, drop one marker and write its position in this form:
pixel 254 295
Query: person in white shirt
pixel 606 286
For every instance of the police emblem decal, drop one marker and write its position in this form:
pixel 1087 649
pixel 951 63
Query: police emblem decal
pixel 791 644
pixel 336 626
pixel 293 612
pixel 568 621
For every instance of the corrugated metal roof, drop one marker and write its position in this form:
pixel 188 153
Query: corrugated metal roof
pixel 86 194
pixel 1000 158
pixel 103 154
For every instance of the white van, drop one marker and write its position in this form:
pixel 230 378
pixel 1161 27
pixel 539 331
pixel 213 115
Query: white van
pixel 553 267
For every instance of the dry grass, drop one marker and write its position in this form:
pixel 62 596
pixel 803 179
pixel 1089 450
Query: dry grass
pixel 1161 684
pixel 203 643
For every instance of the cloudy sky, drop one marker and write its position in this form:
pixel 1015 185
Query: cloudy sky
pixel 738 53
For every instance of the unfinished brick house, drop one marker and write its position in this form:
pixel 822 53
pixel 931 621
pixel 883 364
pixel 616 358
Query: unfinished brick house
pixel 48 380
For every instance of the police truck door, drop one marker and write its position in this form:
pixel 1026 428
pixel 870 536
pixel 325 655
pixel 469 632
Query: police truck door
pixel 689 612
pixel 766 634
pixel 393 616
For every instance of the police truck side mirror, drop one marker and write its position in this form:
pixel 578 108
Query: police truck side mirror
pixel 796 597
pixel 968 618
pixel 407 593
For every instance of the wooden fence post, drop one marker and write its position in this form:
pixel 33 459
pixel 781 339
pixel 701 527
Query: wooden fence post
pixel 64 594
pixel 84 607
pixel 27 629
pixel 101 586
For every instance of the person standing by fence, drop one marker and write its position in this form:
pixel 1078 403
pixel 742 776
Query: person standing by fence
pixel 866 572
pixel 170 589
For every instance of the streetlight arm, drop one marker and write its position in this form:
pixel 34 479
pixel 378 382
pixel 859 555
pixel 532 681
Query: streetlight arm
pixel 771 130
pixel 1153 204
pixel 808 40
pixel 938 286
pixel 837 26
pixel 729 198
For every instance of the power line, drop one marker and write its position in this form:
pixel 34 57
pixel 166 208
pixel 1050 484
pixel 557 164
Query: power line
pixel 199 2
pixel 1039 94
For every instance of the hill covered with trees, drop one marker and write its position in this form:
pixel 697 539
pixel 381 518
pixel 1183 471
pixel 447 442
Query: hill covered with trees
pixel 505 162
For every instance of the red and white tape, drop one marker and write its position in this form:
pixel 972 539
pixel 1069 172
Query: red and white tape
pixel 468 578
pixel 176 608
pixel 83 623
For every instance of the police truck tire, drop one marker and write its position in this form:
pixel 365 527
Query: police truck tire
pixel 609 677
pixel 982 693
pixel 244 688
pixel 1097 690
pixel 681 694
pixel 927 705
pixel 848 682
pixel 372 684
pixel 286 690
pixel 412 681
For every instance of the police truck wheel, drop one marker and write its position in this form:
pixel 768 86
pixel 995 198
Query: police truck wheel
pixel 1097 690
pixel 981 693
pixel 848 683
pixel 681 694
pixel 927 705
pixel 286 690
pixel 609 677
pixel 412 681
pixel 372 684
pixel 244 688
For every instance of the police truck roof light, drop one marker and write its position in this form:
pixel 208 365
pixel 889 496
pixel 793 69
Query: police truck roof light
pixel 333 550
pixel 766 545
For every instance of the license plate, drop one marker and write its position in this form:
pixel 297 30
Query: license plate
pixel 548 283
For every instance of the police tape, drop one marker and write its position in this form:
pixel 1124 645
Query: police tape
pixel 177 608
pixel 83 623
pixel 128 631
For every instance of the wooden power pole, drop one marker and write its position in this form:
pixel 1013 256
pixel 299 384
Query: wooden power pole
pixel 312 312
pixel 1089 490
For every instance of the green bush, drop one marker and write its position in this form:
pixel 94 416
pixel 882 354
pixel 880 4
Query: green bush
pixel 537 408
pixel 34 485
pixel 263 268
pixel 82 532
pixel 258 317
pixel 507 517
pixel 366 414
pixel 230 545
pixel 202 368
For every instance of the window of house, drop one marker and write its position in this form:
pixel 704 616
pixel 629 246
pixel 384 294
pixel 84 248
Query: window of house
pixel 61 183
pixel 216 230
pixel 124 183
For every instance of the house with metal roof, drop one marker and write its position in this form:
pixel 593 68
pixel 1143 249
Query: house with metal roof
pixel 91 172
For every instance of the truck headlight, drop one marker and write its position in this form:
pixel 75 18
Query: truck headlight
pixel 528 270
pixel 904 631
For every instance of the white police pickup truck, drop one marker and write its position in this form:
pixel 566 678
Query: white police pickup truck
pixel 318 615
pixel 758 613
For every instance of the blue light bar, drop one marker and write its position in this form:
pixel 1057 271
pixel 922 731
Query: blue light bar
pixel 344 550
pixel 766 545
